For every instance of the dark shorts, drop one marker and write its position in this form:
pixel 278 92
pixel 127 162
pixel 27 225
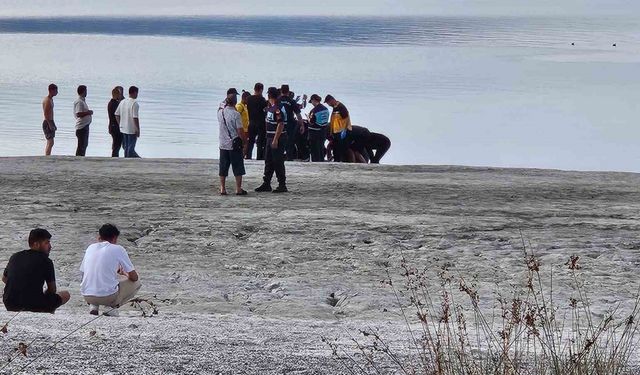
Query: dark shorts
pixel 234 159
pixel 48 132
pixel 47 304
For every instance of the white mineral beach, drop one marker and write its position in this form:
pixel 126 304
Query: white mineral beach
pixel 242 283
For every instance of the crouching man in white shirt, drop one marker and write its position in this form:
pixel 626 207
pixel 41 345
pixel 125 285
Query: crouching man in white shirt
pixel 108 276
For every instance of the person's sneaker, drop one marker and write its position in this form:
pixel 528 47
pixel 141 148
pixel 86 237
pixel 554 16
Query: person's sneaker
pixel 263 187
pixel 113 312
pixel 94 309
pixel 280 189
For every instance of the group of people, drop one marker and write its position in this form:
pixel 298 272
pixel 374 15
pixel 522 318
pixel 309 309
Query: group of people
pixel 320 136
pixel 124 122
pixel 109 279
pixel 276 128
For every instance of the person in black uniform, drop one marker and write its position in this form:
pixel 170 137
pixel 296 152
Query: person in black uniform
pixel 27 272
pixel 276 119
pixel 257 105
pixel 294 120
pixel 380 143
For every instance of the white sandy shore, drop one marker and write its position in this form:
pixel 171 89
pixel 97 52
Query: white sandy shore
pixel 242 282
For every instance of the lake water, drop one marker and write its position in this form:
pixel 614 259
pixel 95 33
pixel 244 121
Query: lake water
pixel 490 91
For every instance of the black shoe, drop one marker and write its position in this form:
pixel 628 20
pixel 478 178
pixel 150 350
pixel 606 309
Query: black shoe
pixel 281 189
pixel 263 187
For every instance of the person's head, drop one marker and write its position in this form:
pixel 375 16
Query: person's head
pixel 331 100
pixel 284 90
pixel 258 88
pixel 232 92
pixel 40 240
pixel 273 94
pixel 245 97
pixel 121 89
pixel 109 233
pixel 231 100
pixel 115 93
pixel 82 91
pixel 315 99
pixel 53 90
pixel 133 92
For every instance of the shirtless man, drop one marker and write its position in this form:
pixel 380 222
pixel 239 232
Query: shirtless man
pixel 48 125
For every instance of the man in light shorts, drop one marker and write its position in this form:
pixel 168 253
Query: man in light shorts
pixel 108 276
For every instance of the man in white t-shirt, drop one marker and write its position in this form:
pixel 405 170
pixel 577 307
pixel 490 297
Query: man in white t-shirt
pixel 82 113
pixel 108 276
pixel 127 117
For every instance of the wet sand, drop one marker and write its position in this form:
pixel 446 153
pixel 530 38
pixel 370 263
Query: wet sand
pixel 242 283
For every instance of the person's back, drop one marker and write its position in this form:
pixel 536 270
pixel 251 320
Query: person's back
pixel 128 111
pixel 256 105
pixel 26 273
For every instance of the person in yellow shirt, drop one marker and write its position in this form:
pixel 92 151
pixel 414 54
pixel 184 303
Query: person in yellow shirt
pixel 340 126
pixel 244 116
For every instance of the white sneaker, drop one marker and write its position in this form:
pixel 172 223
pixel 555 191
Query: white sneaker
pixel 113 312
pixel 94 309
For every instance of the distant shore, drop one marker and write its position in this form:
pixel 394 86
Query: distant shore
pixel 242 283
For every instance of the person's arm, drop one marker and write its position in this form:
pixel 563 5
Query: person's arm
pixel 136 120
pixel 51 287
pixel 240 127
pixel 126 267
pixel 279 130
pixel 50 278
pixel 116 113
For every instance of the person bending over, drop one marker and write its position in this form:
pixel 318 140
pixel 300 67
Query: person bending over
pixel 26 274
pixel 380 143
pixel 359 140
pixel 108 276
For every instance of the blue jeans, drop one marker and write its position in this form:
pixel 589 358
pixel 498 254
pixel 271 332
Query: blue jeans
pixel 129 145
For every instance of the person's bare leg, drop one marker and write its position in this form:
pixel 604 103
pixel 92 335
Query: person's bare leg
pixel 238 184
pixel 223 188
pixel 48 147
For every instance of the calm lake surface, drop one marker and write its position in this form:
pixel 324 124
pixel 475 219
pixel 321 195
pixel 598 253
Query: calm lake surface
pixel 490 91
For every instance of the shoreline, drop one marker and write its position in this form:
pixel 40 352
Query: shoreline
pixel 434 167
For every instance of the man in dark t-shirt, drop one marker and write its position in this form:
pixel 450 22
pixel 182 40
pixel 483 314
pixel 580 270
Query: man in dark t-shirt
pixel 256 106
pixel 27 272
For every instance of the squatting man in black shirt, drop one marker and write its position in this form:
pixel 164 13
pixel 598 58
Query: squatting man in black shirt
pixel 27 272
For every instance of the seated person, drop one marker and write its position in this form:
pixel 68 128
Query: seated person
pixel 380 143
pixel 108 276
pixel 27 272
